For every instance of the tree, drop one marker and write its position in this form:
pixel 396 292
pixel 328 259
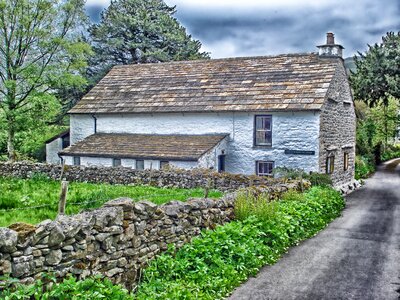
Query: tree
pixel 39 52
pixel 140 31
pixel 377 75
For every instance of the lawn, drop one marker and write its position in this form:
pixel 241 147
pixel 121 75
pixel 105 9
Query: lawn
pixel 34 200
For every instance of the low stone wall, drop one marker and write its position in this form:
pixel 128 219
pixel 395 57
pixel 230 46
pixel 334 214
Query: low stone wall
pixel 120 175
pixel 117 240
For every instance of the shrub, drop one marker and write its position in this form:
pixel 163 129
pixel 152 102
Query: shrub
pixel 218 261
pixel 251 202
pixel 319 179
pixel 69 288
pixel 392 151
pixel 364 166
pixel 316 179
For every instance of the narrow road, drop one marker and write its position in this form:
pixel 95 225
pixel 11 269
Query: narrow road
pixel 356 257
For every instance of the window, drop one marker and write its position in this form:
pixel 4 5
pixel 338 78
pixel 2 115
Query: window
pixel 264 168
pixel 263 131
pixel 116 162
pixel 77 161
pixel 65 141
pixel 163 164
pixel 330 164
pixel 345 161
pixel 140 165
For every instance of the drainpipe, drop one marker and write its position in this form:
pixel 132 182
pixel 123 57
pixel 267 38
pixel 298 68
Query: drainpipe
pixel 95 123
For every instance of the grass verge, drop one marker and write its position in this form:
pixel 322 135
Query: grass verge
pixel 17 196
pixel 218 261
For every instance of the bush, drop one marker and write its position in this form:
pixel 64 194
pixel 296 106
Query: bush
pixel 218 261
pixel 316 179
pixel 392 151
pixel 70 288
pixel 364 166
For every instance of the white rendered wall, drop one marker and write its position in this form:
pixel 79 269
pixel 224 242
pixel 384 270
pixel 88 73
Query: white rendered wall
pixel 52 150
pixel 290 130
pixel 184 164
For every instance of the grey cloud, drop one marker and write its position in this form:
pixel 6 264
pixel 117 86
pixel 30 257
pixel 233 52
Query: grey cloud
pixel 271 31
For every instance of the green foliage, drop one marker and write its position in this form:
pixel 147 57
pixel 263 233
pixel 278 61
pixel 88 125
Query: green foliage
pixel 218 261
pixel 377 76
pixel 364 166
pixel 69 289
pixel 140 31
pixel 393 151
pixel 41 53
pixel 376 81
pixel 316 179
pixel 248 202
pixel 40 191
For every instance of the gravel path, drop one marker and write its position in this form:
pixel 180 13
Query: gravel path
pixel 356 257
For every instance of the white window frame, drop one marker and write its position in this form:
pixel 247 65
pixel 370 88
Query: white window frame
pixel 136 164
pixel 259 162
pixel 77 161
pixel 264 130
pixel 117 162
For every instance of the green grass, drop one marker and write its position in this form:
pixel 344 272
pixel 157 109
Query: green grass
pixel 17 196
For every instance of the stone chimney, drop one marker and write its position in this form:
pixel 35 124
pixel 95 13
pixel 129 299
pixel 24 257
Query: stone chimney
pixel 330 49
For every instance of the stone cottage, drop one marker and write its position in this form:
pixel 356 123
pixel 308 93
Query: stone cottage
pixel 240 115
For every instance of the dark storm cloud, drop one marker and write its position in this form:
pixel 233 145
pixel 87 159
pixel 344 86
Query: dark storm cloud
pixel 239 28
pixel 271 30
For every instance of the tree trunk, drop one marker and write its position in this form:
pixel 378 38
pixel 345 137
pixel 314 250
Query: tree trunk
pixel 11 139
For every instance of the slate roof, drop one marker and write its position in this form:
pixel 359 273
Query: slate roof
pixel 168 147
pixel 60 135
pixel 283 82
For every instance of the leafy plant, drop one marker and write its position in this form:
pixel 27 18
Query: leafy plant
pixel 69 289
pixel 218 261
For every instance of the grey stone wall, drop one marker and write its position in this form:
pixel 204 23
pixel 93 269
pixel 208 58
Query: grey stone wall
pixel 338 128
pixel 120 175
pixel 117 240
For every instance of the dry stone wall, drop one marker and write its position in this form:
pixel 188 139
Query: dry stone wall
pixel 162 178
pixel 120 238
pixel 117 240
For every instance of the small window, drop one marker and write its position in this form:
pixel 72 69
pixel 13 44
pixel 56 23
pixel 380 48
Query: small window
pixel 116 162
pixel 346 161
pixel 65 142
pixel 330 164
pixel 263 131
pixel 77 161
pixel 264 168
pixel 140 165
pixel 163 164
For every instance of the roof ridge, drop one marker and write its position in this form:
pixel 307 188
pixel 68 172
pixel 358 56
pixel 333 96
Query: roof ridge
pixel 222 59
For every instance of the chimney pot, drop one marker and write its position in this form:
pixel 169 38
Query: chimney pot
pixel 330 38
pixel 330 49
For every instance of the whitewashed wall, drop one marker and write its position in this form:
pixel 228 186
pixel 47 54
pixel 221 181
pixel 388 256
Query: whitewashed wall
pixel 291 130
pixel 129 163
pixel 52 150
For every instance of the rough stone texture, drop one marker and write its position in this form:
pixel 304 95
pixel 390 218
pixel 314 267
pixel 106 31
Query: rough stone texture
pixel 116 240
pixel 338 129
pixel 120 175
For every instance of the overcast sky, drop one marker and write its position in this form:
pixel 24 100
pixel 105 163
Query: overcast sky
pixel 229 28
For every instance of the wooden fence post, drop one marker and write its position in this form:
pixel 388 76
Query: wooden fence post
pixel 63 197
